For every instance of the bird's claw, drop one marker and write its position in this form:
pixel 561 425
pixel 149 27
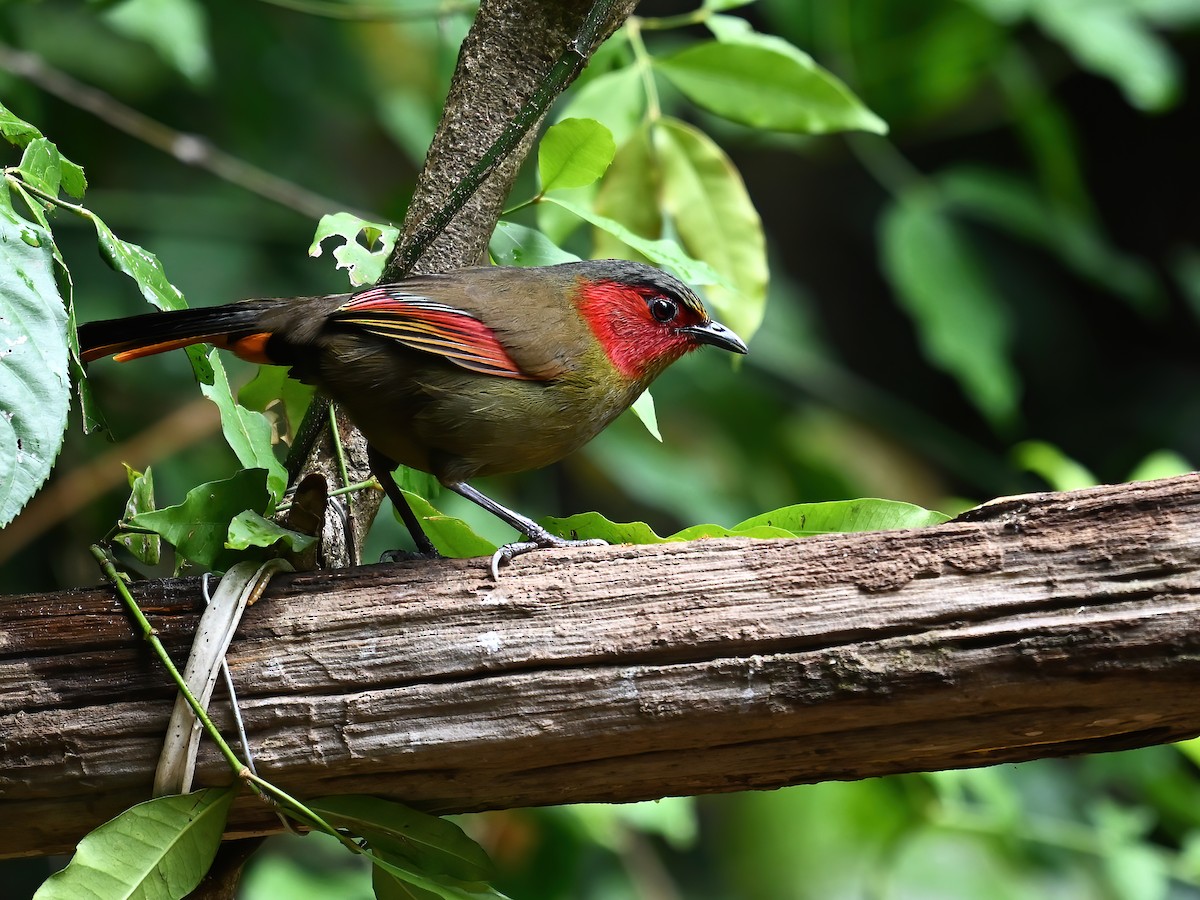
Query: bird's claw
pixel 508 552
pixel 398 555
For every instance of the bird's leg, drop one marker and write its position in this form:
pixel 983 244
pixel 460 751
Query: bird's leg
pixel 538 536
pixel 381 468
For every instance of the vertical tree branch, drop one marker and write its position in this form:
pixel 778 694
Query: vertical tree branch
pixel 504 61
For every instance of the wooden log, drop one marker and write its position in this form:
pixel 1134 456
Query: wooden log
pixel 1035 626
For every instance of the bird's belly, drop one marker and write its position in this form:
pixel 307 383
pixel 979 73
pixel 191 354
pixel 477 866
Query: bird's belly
pixel 505 425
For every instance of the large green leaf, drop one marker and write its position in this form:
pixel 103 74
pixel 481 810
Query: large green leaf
pixel 800 520
pixel 199 526
pixel 156 850
pixel 868 514
pixel 594 525
pixel 35 388
pixel 661 252
pixel 247 432
pixel 176 29
pixel 435 846
pixel 629 194
pixel 716 221
pixel 763 87
pixel 1012 203
pixel 144 268
pixel 518 245
pixel 574 153
pixel 964 325
pixel 452 537
pixel 615 99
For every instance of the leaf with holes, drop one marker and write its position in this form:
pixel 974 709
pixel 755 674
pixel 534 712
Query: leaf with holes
pixel 363 248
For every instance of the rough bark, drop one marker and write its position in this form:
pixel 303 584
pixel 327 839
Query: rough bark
pixel 1035 626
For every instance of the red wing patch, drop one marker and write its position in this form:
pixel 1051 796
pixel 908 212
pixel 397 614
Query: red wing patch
pixel 424 324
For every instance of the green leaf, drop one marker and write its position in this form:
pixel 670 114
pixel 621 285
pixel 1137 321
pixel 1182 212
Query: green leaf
pixel 762 87
pixel 452 537
pixel 963 324
pixel 198 527
pixel 661 252
pixel 432 885
pixel 643 408
pixel 364 246
pixel 616 99
pixel 630 194
pixel 1113 41
pixel 1056 468
pixel 176 29
pixel 388 887
pixel 867 514
pixel 249 529
pixel 716 222
pixel 16 130
pixel 40 166
pixel 271 387
pixel 155 850
pixel 1010 202
pixel 517 245
pixel 247 432
pixel 145 547
pixel 144 268
pixel 594 525
pixel 435 846
pixel 35 389
pixel 1160 464
pixel 574 153
pixel 19 132
pixel 801 520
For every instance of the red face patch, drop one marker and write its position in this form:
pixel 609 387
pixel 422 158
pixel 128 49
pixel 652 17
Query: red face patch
pixel 638 327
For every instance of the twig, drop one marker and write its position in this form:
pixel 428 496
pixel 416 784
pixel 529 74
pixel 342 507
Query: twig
pixel 189 149
pixel 572 59
pixel 362 12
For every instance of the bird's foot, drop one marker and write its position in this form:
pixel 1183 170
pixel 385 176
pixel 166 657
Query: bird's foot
pixel 398 555
pixel 542 540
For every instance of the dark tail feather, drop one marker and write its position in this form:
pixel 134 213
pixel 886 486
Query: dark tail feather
pixel 235 326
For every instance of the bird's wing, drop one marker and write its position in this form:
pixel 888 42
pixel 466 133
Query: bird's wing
pixel 421 323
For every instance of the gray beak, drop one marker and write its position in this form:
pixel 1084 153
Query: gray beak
pixel 715 333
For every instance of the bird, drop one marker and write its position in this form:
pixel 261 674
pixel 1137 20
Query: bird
pixel 478 371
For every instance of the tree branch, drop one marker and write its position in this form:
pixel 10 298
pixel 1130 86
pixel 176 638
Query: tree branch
pixel 1042 625
pixel 506 68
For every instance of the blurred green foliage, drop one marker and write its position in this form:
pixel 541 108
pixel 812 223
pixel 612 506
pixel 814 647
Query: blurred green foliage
pixel 1001 295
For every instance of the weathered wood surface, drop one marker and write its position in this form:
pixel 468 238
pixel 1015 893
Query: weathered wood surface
pixel 1036 626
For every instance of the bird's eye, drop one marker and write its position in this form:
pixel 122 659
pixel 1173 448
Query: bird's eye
pixel 662 309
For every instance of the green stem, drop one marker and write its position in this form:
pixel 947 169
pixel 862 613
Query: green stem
pixel 339 451
pixel 357 486
pixel 298 809
pixel 885 163
pixel 645 67
pixel 110 572
pixel 568 64
pixel 682 20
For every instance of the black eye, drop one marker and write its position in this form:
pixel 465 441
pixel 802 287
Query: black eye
pixel 662 309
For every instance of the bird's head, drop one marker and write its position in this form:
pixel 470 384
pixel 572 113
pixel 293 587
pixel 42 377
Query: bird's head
pixel 645 319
